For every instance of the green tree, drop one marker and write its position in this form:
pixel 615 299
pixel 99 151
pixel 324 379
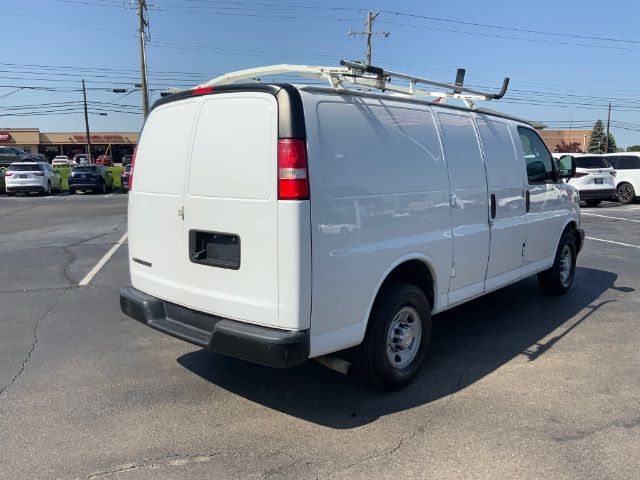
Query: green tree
pixel 613 148
pixel 597 140
pixel 633 148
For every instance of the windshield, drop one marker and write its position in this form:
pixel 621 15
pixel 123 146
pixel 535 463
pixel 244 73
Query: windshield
pixel 85 169
pixel 592 162
pixel 34 167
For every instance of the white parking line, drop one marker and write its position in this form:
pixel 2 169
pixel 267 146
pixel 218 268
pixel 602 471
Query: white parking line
pixel 607 216
pixel 620 209
pixel 611 241
pixel 107 196
pixel 89 276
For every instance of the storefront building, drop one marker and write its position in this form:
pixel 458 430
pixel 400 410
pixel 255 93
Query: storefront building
pixel 51 144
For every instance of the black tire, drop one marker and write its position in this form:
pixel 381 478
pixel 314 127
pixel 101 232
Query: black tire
pixel 371 358
pixel 593 203
pixel 554 281
pixel 625 193
pixel 72 191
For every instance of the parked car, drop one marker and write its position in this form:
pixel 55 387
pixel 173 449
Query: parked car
pixel 126 160
pixel 228 251
pixel 61 161
pixel 627 167
pixel 594 178
pixel 104 160
pixel 9 155
pixel 124 178
pixel 93 178
pixel 31 177
pixel 81 159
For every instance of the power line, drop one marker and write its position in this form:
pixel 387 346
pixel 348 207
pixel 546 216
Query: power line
pixel 508 37
pixel 513 29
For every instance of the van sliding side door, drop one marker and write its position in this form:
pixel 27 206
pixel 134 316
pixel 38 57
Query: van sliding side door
pixel 469 205
pixel 506 201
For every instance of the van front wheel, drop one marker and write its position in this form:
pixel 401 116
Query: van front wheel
pixel 558 279
pixel 397 337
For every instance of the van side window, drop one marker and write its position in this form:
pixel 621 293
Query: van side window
pixel 539 160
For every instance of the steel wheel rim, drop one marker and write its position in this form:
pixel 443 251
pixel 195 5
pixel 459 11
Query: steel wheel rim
pixel 624 193
pixel 403 337
pixel 566 262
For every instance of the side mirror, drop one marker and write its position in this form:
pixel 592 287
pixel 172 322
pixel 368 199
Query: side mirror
pixel 567 166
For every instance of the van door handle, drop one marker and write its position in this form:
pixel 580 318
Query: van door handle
pixel 527 201
pixel 493 206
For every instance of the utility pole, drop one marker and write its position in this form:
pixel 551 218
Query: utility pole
pixel 86 122
pixel 606 142
pixel 371 16
pixel 142 24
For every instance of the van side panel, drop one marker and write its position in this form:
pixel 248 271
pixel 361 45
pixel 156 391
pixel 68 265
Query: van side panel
pixel 379 193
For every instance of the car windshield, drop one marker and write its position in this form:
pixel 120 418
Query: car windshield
pixel 34 167
pixel 85 169
pixel 592 162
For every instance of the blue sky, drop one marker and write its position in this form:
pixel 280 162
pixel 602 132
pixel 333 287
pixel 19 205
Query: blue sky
pixel 566 59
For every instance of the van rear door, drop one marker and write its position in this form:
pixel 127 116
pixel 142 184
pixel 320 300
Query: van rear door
pixel 231 209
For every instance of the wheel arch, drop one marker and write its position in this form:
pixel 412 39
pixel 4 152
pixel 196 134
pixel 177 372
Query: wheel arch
pixel 570 227
pixel 416 269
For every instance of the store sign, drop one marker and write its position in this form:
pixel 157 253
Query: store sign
pixel 5 137
pixel 99 138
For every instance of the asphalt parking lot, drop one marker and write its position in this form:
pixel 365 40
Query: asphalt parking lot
pixel 516 384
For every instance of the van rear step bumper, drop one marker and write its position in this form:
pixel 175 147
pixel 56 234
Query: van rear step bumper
pixel 266 346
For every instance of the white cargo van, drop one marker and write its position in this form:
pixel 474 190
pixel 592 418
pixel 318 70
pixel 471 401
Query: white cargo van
pixel 234 190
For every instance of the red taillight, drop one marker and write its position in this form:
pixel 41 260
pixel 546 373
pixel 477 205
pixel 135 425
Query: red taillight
pixel 581 174
pixel 293 178
pixel 133 165
pixel 8 174
pixel 38 174
pixel 201 90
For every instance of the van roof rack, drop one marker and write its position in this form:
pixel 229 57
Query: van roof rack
pixel 370 77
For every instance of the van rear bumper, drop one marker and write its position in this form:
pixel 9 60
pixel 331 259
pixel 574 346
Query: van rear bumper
pixel 266 346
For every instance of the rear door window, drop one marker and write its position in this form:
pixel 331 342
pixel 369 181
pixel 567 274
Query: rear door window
pixel 626 162
pixel 537 156
pixel 592 162
pixel 25 168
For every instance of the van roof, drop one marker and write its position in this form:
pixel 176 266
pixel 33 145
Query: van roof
pixel 276 88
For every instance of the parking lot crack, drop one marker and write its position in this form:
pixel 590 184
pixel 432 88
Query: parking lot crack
pixel 36 326
pixel 174 460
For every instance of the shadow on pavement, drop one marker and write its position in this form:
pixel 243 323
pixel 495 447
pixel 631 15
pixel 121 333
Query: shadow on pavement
pixel 468 343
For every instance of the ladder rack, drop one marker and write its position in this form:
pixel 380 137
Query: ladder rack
pixel 369 77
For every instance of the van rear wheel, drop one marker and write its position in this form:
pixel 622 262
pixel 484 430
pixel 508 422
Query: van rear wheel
pixel 558 279
pixel 397 337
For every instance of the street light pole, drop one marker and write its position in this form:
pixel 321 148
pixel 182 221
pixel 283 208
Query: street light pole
pixel 86 120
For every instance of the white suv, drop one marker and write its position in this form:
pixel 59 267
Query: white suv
pixel 31 177
pixel 594 179
pixel 627 166
pixel 438 205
